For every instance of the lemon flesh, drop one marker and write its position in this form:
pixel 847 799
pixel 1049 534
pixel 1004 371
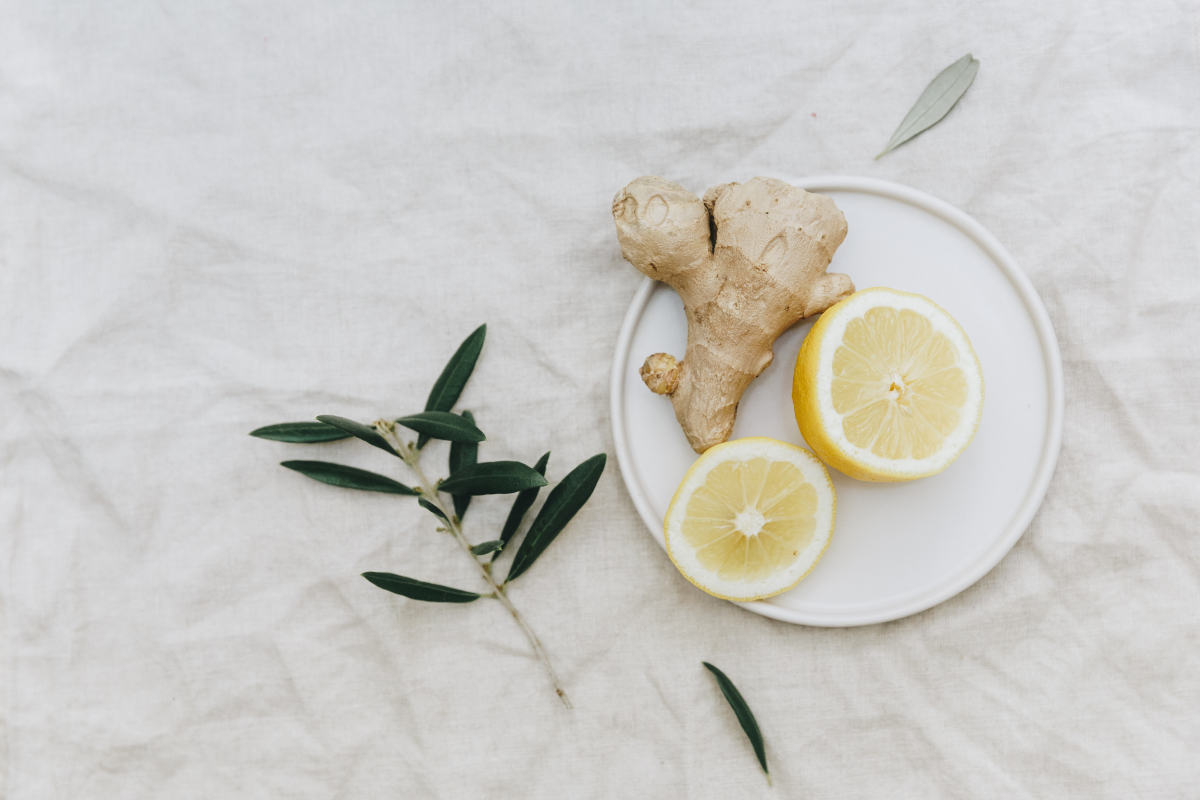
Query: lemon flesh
pixel 887 387
pixel 751 518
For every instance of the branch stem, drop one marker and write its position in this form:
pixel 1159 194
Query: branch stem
pixel 411 456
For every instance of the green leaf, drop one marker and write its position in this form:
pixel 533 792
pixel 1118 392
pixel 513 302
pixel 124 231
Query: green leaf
pixel 936 101
pixel 348 477
pixel 300 432
pixel 521 505
pixel 494 546
pixel 492 477
pixel 431 508
pixel 443 425
pixel 449 385
pixel 744 715
pixel 419 590
pixel 463 454
pixel 358 430
pixel 564 502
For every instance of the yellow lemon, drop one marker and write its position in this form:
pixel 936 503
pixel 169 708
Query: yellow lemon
pixel 887 387
pixel 751 518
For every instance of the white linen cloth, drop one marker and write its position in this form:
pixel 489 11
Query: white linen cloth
pixel 221 215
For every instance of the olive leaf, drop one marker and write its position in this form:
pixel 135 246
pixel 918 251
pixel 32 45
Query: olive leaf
pixel 348 477
pixel 936 101
pixel 492 477
pixel 463 454
pixel 431 508
pixel 520 506
pixel 420 590
pixel 358 430
pixel 495 545
pixel 443 425
pixel 300 432
pixel 564 502
pixel 744 715
pixel 449 385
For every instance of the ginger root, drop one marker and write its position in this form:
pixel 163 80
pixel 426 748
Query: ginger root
pixel 749 262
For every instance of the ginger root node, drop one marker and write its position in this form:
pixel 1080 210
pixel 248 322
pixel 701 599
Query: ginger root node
pixel 661 373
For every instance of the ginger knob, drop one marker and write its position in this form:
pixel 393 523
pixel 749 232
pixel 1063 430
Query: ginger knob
pixel 660 373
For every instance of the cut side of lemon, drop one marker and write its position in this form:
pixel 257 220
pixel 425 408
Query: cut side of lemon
pixel 887 387
pixel 751 518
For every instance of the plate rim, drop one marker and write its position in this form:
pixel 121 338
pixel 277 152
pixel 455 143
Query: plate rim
pixel 1055 407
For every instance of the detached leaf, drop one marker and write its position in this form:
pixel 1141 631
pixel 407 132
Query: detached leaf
pixel 432 509
pixel 348 477
pixel 564 502
pixel 300 432
pixel 492 477
pixel 443 425
pixel 495 545
pixel 419 590
pixel 449 385
pixel 936 101
pixel 463 454
pixel 520 506
pixel 744 715
pixel 359 431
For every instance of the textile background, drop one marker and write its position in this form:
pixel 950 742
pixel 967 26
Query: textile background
pixel 219 215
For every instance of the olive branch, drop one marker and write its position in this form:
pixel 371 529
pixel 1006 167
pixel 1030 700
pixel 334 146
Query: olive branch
pixel 468 478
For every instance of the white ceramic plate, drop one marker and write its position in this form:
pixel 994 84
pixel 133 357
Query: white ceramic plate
pixel 897 548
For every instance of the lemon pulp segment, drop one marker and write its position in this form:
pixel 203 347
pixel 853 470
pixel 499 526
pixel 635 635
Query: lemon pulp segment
pixel 750 519
pixel 897 384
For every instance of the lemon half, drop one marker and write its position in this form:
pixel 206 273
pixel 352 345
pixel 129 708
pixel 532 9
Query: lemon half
pixel 751 518
pixel 887 387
